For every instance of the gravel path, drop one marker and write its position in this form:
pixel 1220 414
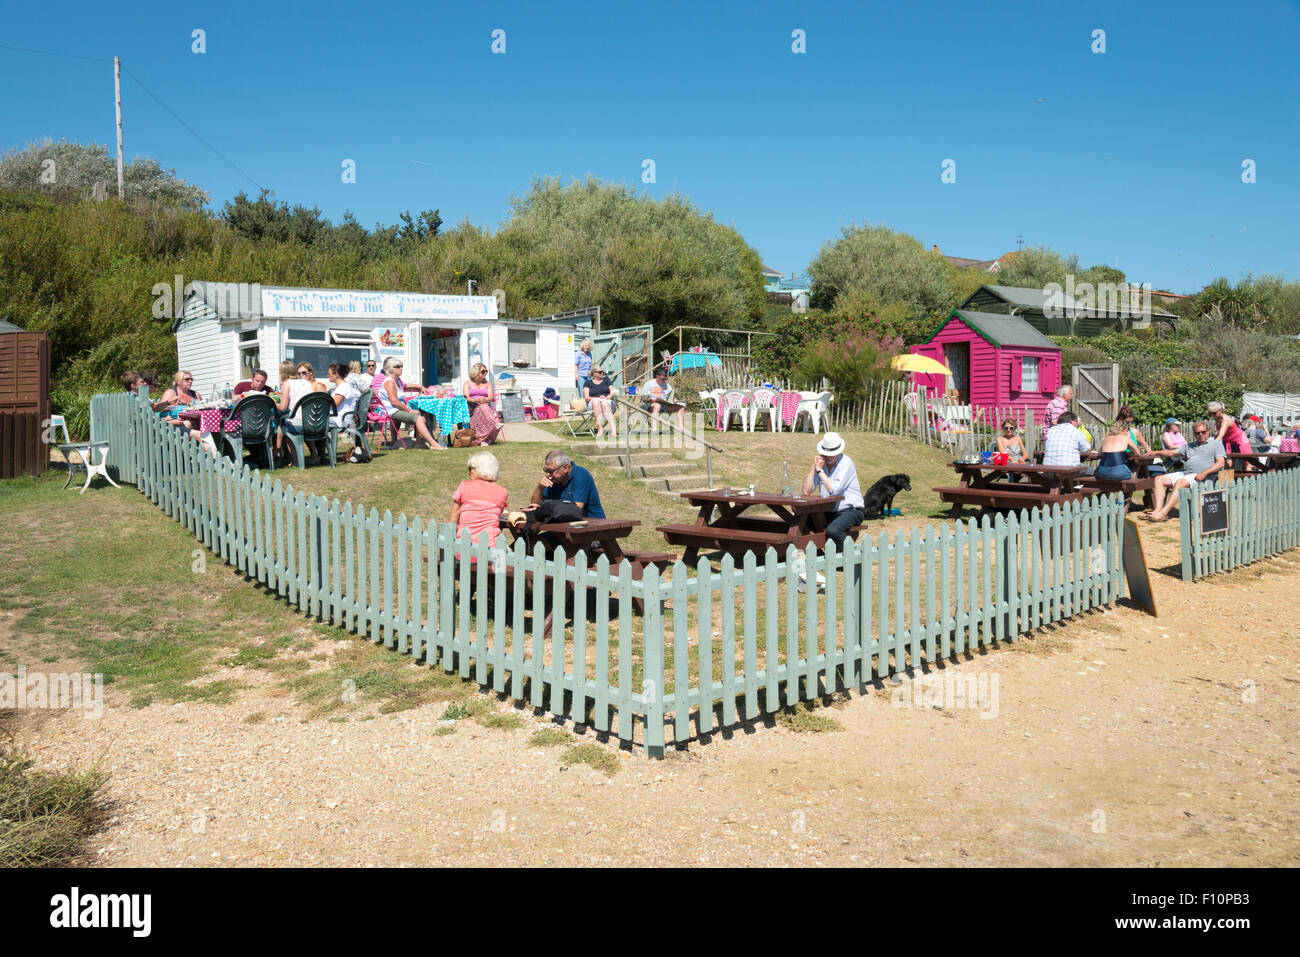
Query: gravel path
pixel 1118 739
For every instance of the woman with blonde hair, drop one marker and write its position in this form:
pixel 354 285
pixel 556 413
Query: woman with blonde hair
pixel 582 362
pixel 597 392
pixel 1118 440
pixel 1227 431
pixel 481 399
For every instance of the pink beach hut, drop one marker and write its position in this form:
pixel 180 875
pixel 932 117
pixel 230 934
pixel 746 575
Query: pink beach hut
pixel 997 362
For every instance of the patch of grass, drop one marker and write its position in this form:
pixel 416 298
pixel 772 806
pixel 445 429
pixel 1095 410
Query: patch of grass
pixel 592 754
pixel 253 656
pixel 502 721
pixel 257 717
pixel 455 711
pixel 364 674
pixel 46 817
pixel 445 729
pixel 549 738
pixel 804 719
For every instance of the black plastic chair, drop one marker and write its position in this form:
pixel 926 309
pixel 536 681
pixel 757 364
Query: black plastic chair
pixel 314 411
pixel 354 423
pixel 257 414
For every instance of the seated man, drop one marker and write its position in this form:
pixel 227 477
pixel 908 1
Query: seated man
pixel 255 384
pixel 833 473
pixel 1202 457
pixel 1065 444
pixel 659 398
pixel 563 481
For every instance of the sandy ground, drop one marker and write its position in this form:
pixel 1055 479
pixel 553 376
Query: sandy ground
pixel 1117 739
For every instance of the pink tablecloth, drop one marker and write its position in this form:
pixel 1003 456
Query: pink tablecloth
pixel 211 420
pixel 789 408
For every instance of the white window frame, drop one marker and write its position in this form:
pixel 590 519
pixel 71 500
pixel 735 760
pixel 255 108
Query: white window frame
pixel 1025 366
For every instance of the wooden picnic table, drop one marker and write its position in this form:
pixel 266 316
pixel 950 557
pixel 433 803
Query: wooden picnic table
pixel 1045 485
pixel 596 537
pixel 799 520
pixel 1262 461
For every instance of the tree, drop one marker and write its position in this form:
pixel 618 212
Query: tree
pixel 1240 304
pixel 1037 266
pixel 264 218
pixel 71 170
pixel 878 264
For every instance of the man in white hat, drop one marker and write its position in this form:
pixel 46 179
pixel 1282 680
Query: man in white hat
pixel 833 473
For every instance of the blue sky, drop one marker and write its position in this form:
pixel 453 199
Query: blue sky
pixel 1131 156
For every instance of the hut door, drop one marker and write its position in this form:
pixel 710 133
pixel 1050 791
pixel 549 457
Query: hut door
pixel 957 358
pixel 1096 394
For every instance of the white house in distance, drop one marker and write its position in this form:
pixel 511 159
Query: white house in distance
pixel 226 330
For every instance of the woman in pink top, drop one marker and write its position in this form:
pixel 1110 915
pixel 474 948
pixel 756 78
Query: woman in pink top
pixel 1227 431
pixel 478 502
pixel 481 400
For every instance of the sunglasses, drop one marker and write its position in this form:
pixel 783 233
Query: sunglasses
pixel 188 379
pixel 303 372
pixel 551 470
pixel 1200 432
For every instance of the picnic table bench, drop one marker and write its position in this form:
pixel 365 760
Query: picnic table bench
pixel 1047 485
pixel 1142 481
pixel 798 520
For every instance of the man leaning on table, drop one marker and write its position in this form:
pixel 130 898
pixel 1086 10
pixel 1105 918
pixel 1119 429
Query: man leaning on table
pixel 833 473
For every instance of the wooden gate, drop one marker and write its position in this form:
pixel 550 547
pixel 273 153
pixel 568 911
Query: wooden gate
pixel 624 354
pixel 1096 395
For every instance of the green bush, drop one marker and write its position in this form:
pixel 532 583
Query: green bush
pixel 852 364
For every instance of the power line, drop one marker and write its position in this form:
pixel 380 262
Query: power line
pixel 193 132
pixel 176 116
pixel 69 56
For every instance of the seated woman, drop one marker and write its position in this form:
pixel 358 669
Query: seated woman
pixel 1139 443
pixel 360 380
pixel 1010 445
pixel 1172 438
pixel 343 392
pixel 395 407
pixel 481 399
pixel 1114 447
pixel 179 395
pixel 291 392
pixel 478 502
pixel 597 392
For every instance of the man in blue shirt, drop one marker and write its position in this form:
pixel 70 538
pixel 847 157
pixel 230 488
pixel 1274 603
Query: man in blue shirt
pixel 566 482
pixel 833 473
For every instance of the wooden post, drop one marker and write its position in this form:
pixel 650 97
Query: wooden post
pixel 117 94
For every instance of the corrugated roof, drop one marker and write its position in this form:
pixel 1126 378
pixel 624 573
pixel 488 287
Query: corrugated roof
pixel 1004 330
pixel 1025 298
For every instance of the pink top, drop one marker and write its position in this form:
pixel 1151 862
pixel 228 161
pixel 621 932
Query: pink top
pixel 480 508
pixel 1172 440
pixel 1234 435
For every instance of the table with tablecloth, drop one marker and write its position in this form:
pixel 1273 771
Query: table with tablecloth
pixel 789 403
pixel 449 413
pixel 211 420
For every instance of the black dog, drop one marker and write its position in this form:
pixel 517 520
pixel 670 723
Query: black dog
pixel 880 497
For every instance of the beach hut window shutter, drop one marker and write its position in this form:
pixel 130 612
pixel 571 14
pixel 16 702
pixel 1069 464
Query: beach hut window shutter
pixel 1050 377
pixel 499 346
pixel 1015 374
pixel 548 349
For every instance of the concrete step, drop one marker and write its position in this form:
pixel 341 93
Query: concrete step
pixel 675 483
pixel 618 461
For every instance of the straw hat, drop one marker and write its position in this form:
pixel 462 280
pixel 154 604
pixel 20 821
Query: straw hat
pixel 831 444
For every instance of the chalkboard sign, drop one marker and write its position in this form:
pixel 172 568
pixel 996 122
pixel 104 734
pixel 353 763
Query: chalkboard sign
pixel 1214 512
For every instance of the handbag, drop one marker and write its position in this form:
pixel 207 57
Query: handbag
pixel 462 438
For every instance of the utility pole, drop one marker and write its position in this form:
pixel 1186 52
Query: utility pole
pixel 117 93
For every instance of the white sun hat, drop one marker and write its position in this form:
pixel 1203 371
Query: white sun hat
pixel 831 444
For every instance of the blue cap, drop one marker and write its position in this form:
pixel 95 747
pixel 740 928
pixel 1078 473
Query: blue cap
pixel 1172 421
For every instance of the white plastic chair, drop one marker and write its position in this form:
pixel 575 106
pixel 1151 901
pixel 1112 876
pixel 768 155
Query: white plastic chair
pixel 733 403
pixel 59 422
pixel 817 406
pixel 765 401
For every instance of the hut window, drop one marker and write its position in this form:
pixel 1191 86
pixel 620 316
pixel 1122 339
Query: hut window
pixel 1028 374
pixel 522 347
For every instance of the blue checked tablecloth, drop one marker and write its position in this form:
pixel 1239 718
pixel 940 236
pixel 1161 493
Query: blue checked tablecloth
pixel 449 412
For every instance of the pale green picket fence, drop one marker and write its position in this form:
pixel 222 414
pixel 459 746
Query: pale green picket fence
pixel 712 647
pixel 1263 520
